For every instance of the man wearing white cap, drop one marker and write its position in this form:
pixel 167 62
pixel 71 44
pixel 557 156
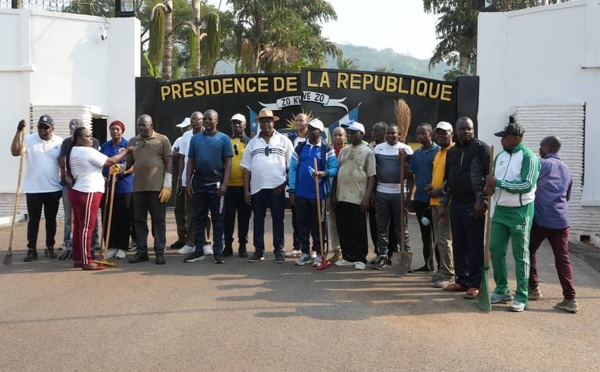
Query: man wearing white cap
pixel 303 193
pixel 351 196
pixel 179 211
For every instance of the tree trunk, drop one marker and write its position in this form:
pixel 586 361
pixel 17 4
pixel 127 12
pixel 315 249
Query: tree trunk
pixel 168 51
pixel 196 7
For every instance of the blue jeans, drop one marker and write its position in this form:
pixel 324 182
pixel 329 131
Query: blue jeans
pixel 276 203
pixel 205 199
pixel 467 242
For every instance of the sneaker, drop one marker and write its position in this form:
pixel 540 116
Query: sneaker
pixel 501 298
pixel 194 257
pixel 313 255
pixel 303 260
pixel 568 305
pixel 517 306
pixel 279 258
pixel 256 256
pixel 293 253
pixel 65 256
pixel 207 250
pixel 218 258
pixel 360 265
pixel 49 253
pixel 186 249
pixel 132 245
pixel 121 253
pixel 442 283
pixel 31 256
pixel 177 245
pixel 471 294
pixel 343 262
pixel 534 294
pixel 317 261
pixel 380 263
pixel 112 253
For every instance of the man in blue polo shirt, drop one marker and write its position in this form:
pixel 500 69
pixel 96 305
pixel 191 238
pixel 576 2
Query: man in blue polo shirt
pixel 421 166
pixel 210 154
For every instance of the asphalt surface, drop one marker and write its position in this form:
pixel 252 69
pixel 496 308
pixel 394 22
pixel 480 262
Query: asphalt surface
pixel 264 316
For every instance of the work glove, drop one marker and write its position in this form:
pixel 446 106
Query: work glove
pixel 21 125
pixel 165 192
pixel 116 169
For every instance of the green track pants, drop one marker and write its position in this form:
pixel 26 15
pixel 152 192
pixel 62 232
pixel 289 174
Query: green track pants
pixel 512 223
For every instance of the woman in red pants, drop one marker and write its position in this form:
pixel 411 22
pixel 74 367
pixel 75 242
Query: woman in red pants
pixel 84 168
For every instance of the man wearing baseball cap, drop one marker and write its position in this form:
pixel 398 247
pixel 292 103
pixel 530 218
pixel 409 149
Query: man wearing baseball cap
pixel 41 182
pixel 513 184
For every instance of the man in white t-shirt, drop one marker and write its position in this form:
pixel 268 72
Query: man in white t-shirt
pixel 179 211
pixel 41 181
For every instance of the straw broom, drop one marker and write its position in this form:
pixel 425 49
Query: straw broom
pixel 402 117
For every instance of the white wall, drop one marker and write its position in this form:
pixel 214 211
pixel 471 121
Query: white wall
pixel 544 56
pixel 59 59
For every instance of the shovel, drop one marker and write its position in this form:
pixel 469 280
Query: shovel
pixel 405 260
pixel 483 298
pixel 325 264
pixel 9 256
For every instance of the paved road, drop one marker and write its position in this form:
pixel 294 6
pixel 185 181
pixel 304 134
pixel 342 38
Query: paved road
pixel 244 316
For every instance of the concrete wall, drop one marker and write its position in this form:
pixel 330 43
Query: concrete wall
pixel 59 59
pixel 547 56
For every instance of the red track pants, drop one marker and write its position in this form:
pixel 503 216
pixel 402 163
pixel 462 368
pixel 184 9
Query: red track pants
pixel 85 211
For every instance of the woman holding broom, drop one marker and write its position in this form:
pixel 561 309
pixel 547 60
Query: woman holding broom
pixel 86 186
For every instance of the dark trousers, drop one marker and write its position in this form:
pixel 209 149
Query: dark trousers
pixel 180 215
pixel 276 203
pixel 235 203
pixel 352 229
pixel 145 202
pixel 559 241
pixel 49 201
pixel 423 210
pixel 308 224
pixel 295 235
pixel 392 245
pixel 121 220
pixel 206 199
pixel 467 241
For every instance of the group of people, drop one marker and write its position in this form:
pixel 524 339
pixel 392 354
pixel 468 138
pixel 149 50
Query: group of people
pixel 448 183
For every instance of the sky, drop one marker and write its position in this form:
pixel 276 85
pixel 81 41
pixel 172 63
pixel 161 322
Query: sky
pixel 401 25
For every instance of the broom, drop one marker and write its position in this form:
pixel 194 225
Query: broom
pixel 325 264
pixel 403 117
pixel 8 258
pixel 483 298
pixel 109 201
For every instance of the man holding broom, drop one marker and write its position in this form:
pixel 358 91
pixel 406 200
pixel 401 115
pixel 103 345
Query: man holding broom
pixel 513 184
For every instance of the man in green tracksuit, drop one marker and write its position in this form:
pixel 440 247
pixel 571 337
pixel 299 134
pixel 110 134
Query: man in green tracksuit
pixel 513 183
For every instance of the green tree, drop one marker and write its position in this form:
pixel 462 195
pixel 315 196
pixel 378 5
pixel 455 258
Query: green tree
pixel 456 30
pixel 280 35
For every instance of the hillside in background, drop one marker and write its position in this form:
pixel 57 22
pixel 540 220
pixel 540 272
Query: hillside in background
pixel 370 59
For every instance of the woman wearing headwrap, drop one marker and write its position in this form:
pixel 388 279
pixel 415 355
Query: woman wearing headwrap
pixel 86 186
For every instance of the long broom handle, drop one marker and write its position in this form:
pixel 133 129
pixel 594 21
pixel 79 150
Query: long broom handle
pixel 110 207
pixel 319 211
pixel 402 212
pixel 103 240
pixel 19 181
pixel 488 214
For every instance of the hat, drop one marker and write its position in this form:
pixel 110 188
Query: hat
pixel 184 123
pixel 317 124
pixel 511 128
pixel 444 125
pixel 238 117
pixel 75 123
pixel 266 113
pixel 118 124
pixel 354 125
pixel 46 120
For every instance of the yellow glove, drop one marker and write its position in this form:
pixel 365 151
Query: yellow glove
pixel 116 169
pixel 165 194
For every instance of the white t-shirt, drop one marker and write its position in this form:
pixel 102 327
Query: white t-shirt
pixel 86 167
pixel 184 148
pixel 41 164
pixel 177 145
pixel 268 171
pixel 388 166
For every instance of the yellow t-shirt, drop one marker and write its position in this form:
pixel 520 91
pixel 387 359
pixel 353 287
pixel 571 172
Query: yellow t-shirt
pixel 236 178
pixel 439 168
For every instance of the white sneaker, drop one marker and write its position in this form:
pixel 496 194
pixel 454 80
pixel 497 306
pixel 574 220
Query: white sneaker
pixel 186 249
pixel 343 262
pixel 112 253
pixel 207 250
pixel 293 253
pixel 122 253
pixel 317 261
pixel 313 255
pixel 360 265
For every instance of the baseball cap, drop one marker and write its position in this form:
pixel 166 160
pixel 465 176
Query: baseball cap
pixel 238 117
pixel 444 125
pixel 511 128
pixel 46 120
pixel 354 125
pixel 317 124
pixel 184 123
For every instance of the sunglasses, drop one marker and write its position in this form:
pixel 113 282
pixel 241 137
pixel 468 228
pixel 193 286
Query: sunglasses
pixel 235 149
pixel 267 151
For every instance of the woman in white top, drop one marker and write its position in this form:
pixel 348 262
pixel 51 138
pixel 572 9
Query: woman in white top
pixel 86 186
